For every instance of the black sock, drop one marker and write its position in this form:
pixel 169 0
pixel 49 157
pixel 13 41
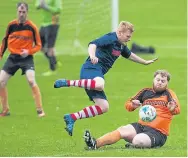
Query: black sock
pixel 53 63
pixel 46 55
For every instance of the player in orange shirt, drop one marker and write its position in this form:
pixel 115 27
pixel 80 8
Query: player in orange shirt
pixel 145 134
pixel 23 40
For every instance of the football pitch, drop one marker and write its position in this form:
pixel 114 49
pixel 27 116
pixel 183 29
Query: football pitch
pixel 160 23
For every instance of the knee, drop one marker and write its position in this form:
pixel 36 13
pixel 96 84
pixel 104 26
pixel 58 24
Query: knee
pixel 127 132
pixel 124 133
pixel 141 140
pixel 99 85
pixel 31 82
pixel 104 106
pixel 3 83
pixel 50 51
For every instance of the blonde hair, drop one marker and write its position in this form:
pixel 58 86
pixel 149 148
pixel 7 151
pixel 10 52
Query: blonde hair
pixel 124 26
pixel 163 73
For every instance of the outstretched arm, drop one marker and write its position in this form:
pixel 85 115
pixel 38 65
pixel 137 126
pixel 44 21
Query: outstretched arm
pixel 138 59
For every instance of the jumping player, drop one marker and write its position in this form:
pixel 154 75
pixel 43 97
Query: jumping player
pixel 103 52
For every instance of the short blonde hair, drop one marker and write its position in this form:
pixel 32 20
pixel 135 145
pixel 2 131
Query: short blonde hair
pixel 163 73
pixel 124 26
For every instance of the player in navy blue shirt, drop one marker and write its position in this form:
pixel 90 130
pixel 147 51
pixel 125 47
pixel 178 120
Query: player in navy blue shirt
pixel 103 52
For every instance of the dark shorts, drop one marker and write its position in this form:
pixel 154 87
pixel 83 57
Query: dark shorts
pixel 158 139
pixel 48 35
pixel 15 62
pixel 90 72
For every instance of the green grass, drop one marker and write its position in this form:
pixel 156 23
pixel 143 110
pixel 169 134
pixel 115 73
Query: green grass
pixel 24 134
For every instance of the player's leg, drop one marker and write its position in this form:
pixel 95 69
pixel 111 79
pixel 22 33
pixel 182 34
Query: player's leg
pixel 150 138
pixel 91 79
pixel 51 45
pixel 4 100
pixel 89 140
pixel 138 128
pixel 101 106
pixel 52 35
pixel 9 69
pixel 44 35
pixel 30 75
pixel 27 67
pixel 4 77
pixel 107 139
pixel 82 83
pixel 43 41
pixel 127 132
pixel 142 140
pixel 87 112
pixel 95 84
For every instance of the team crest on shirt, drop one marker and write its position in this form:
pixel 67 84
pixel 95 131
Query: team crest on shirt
pixel 116 52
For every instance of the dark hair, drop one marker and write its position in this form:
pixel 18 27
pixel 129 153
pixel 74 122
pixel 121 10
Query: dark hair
pixel 22 3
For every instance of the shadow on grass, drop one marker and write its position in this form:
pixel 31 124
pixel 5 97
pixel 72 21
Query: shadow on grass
pixel 108 148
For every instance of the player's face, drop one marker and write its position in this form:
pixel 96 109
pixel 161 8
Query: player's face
pixel 22 13
pixel 125 36
pixel 160 83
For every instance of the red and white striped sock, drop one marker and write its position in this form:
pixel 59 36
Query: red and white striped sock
pixel 90 111
pixel 84 83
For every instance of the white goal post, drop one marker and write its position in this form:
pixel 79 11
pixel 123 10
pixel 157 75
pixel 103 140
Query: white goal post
pixel 115 14
pixel 83 21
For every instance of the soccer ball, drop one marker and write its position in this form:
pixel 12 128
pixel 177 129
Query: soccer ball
pixel 147 113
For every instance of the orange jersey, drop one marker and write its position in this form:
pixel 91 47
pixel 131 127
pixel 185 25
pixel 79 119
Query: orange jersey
pixel 21 36
pixel 148 96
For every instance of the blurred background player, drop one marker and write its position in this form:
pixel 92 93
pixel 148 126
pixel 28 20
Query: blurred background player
pixel 49 29
pixel 23 40
pixel 137 48
pixel 145 134
pixel 103 52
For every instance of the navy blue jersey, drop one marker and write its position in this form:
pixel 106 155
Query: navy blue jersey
pixel 108 50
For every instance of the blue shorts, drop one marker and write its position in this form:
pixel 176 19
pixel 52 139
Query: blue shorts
pixel 90 71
